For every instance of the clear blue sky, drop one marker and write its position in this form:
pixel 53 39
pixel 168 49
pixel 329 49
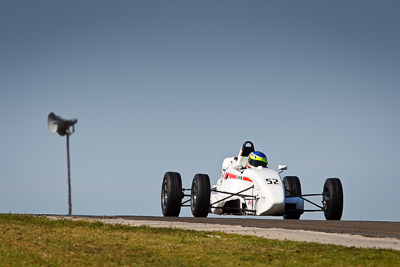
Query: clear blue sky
pixel 179 85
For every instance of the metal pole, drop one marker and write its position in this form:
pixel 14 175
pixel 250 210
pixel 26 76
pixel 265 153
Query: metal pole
pixel 69 177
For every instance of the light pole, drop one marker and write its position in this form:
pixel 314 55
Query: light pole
pixel 62 126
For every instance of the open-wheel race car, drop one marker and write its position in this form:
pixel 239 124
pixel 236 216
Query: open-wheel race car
pixel 248 187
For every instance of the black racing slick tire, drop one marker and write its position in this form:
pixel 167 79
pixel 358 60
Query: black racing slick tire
pixel 200 195
pixel 171 194
pixel 332 199
pixel 292 189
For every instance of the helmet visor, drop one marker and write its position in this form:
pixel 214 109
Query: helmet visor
pixel 257 163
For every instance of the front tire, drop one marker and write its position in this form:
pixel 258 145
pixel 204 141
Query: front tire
pixel 292 189
pixel 200 195
pixel 171 194
pixel 332 199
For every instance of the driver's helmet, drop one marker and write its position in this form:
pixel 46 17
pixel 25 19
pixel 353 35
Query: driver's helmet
pixel 257 159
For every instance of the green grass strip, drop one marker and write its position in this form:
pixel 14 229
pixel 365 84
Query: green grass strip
pixel 27 240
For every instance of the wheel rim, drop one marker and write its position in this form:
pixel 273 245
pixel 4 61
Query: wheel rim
pixel 325 199
pixel 165 194
pixel 194 195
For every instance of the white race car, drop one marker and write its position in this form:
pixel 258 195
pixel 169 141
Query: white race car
pixel 248 191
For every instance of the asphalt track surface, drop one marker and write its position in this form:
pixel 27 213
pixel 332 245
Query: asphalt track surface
pixel 377 229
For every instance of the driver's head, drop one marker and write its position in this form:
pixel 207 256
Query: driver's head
pixel 257 159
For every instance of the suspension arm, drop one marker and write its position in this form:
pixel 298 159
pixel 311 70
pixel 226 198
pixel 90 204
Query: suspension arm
pixel 232 194
pixel 309 201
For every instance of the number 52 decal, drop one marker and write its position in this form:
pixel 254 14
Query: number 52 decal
pixel 272 181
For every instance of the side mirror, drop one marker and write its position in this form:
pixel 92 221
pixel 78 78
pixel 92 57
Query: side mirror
pixel 282 168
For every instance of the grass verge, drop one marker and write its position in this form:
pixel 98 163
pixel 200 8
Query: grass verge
pixel 27 240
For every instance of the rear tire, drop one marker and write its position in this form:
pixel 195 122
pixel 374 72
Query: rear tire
pixel 200 195
pixel 332 199
pixel 292 189
pixel 171 194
